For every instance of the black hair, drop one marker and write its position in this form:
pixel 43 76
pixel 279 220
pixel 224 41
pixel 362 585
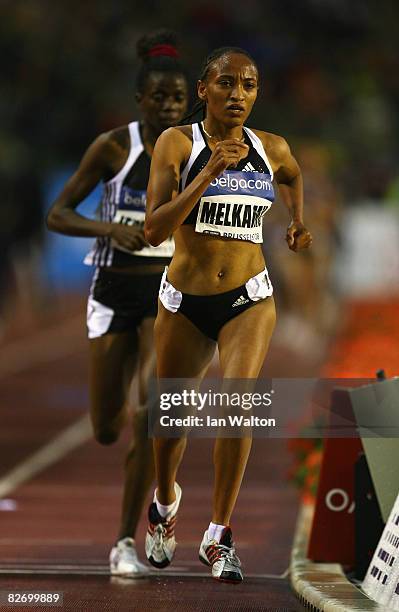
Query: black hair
pixel 158 53
pixel 200 105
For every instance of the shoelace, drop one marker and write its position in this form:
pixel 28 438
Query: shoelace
pixel 220 551
pixel 127 548
pixel 131 553
pixel 165 529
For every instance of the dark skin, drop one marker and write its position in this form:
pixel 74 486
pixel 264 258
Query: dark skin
pixel 116 358
pixel 206 265
pixel 229 95
pixel 161 105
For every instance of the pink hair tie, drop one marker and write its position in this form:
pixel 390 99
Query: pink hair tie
pixel 168 50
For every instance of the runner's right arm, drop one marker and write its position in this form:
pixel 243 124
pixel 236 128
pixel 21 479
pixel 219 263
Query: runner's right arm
pixel 62 216
pixel 166 207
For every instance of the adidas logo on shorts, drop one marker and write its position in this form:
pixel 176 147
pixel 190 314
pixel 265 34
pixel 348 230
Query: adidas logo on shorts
pixel 240 301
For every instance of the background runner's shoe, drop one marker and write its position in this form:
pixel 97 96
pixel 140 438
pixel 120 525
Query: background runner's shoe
pixel 160 543
pixel 123 560
pixel 221 556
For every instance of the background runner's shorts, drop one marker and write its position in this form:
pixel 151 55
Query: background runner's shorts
pixel 119 302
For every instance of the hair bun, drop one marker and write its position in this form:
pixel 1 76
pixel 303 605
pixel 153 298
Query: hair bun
pixel 165 50
pixel 158 43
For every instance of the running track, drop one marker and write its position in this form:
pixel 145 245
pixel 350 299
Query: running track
pixel 60 521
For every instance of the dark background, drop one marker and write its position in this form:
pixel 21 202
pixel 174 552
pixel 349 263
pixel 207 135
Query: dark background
pixel 329 84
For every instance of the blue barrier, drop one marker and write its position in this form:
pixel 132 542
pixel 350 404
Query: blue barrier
pixel 62 266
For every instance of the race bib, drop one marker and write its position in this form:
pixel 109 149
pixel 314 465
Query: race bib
pixel 131 212
pixel 234 204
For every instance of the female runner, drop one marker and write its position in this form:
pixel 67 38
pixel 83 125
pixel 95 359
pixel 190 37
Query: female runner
pixel 123 298
pixel 210 185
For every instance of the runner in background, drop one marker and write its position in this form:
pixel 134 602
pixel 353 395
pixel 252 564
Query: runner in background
pixel 122 304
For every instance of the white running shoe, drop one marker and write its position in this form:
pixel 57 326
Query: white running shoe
pixel 123 560
pixel 221 557
pixel 160 542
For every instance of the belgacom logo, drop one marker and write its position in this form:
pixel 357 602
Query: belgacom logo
pixel 234 184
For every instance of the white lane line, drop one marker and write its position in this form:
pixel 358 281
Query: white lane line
pixel 53 571
pixel 103 570
pixel 202 574
pixel 57 342
pixel 20 542
pixel 286 573
pixel 69 439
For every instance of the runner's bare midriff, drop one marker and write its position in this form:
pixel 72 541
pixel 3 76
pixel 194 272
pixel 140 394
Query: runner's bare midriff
pixel 204 265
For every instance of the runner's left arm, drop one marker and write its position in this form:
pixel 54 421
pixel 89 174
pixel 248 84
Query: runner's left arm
pixel 289 179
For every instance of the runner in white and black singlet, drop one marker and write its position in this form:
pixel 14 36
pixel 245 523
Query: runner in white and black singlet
pixel 211 185
pixel 123 298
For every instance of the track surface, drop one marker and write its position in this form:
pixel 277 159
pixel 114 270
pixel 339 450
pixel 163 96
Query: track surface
pixel 57 529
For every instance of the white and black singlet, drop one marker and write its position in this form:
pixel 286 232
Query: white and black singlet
pixel 117 302
pixel 235 202
pixel 124 201
pixel 232 206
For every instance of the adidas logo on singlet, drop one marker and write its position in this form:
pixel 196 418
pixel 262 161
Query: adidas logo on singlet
pixel 240 301
pixel 249 168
